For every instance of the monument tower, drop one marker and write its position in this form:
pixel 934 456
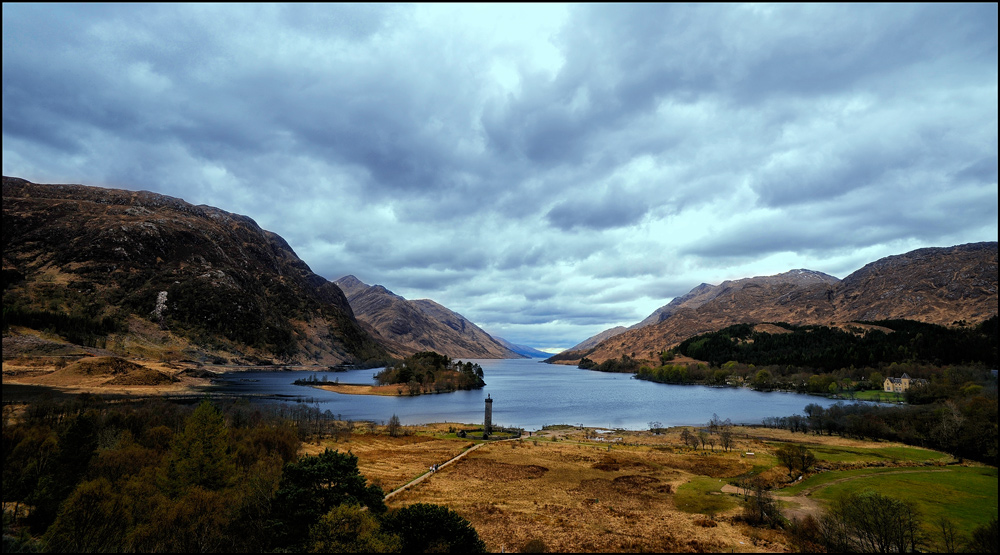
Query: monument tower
pixel 488 422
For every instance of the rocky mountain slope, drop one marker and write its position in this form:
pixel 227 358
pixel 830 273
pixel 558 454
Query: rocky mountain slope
pixel 420 325
pixel 934 285
pixel 143 274
pixel 596 340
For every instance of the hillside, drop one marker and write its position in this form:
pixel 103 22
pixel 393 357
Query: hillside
pixel 420 325
pixel 143 274
pixel 933 285
pixel 596 340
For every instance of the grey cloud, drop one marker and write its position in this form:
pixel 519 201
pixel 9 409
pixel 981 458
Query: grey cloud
pixel 612 210
pixel 983 170
pixel 387 150
pixel 353 21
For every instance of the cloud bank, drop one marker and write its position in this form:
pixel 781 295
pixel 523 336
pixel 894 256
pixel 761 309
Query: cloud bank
pixel 547 171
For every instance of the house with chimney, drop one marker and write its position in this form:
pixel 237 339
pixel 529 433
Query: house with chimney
pixel 902 383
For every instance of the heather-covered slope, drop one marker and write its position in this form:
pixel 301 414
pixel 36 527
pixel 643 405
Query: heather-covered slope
pixel 145 274
pixel 933 285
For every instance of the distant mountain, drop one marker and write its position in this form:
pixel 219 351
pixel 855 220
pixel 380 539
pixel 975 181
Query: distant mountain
pixel 143 274
pixel 934 285
pixel 705 293
pixel 596 340
pixel 522 350
pixel 421 325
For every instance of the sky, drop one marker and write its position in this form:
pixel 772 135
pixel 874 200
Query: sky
pixel 547 171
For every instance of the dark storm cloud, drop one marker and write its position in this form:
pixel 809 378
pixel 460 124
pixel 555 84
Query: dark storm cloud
pixel 528 164
pixel 610 211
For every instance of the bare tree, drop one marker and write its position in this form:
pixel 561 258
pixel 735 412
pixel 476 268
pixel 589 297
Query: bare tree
pixel 795 457
pixel 869 522
pixel 726 436
pixel 760 507
pixel 394 426
pixel 686 436
pixel 949 534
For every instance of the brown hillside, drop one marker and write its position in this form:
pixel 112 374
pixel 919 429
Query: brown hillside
pixel 97 263
pixel 106 371
pixel 935 285
pixel 420 325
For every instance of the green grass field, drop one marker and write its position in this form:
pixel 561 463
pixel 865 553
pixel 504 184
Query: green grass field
pixel 875 454
pixel 878 395
pixel 825 478
pixel 965 495
pixel 702 496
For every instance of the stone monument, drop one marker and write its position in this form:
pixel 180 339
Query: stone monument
pixel 488 422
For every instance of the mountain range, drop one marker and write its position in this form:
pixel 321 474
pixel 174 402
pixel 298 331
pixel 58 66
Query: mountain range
pixel 947 285
pixel 420 325
pixel 151 276
pixel 146 275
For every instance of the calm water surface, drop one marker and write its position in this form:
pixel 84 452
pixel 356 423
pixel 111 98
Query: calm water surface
pixel 530 394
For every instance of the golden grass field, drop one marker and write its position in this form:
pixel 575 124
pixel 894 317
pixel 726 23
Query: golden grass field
pixel 573 492
pixel 572 488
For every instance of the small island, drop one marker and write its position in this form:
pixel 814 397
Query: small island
pixel 430 372
pixel 425 372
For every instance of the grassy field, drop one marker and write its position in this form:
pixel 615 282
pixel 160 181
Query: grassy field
pixel 700 495
pixel 889 454
pixel 965 495
pixel 879 396
pixel 648 492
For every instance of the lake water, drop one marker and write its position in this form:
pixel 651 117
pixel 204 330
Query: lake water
pixel 530 394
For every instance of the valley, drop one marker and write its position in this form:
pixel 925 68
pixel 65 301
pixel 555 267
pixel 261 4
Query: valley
pixel 124 297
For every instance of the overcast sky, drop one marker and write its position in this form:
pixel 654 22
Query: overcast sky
pixel 548 171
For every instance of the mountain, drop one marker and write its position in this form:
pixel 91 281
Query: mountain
pixel 704 293
pixel 522 350
pixel 699 296
pixel 596 340
pixel 421 325
pixel 934 285
pixel 143 274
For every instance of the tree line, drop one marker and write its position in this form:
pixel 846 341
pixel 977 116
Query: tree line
pixel 88 475
pixel 825 348
pixel 964 427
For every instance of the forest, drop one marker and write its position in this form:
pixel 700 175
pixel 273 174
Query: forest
pixel 91 475
pixel 430 372
pixel 827 348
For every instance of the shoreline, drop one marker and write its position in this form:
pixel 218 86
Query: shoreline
pixel 392 390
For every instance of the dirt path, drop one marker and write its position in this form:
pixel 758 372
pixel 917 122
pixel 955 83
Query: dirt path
pixel 801 504
pixel 423 476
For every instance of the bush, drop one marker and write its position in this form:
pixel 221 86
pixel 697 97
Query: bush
pixel 426 528
pixel 534 546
